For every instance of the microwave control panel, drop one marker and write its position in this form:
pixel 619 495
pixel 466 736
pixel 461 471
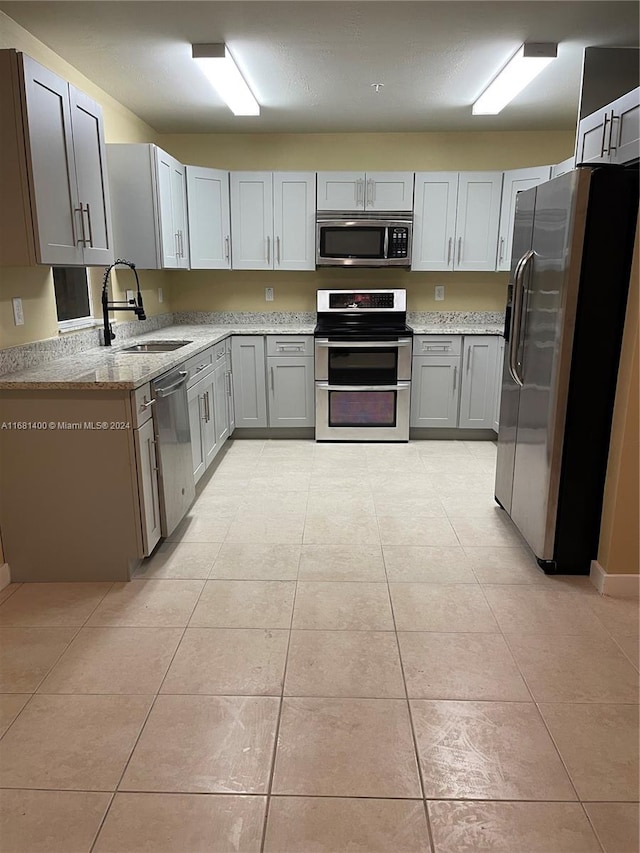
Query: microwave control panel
pixel 398 242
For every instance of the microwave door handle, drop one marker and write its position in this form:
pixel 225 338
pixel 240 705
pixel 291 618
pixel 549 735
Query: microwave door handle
pixel 385 247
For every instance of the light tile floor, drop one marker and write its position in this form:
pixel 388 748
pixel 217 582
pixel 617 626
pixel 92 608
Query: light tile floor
pixel 342 648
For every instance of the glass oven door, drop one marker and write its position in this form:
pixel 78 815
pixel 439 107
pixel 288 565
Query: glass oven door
pixel 362 413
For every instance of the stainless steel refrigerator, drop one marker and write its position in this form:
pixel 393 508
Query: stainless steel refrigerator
pixel 572 248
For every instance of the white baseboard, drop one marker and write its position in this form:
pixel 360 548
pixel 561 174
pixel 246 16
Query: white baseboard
pixel 617 586
pixel 5 576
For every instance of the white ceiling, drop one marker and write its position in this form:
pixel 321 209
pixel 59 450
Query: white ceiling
pixel 311 64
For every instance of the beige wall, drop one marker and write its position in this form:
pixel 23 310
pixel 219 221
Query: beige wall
pixel 619 551
pixel 34 285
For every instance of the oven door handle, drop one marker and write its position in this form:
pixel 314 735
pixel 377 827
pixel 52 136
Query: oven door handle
pixel 401 342
pixel 325 386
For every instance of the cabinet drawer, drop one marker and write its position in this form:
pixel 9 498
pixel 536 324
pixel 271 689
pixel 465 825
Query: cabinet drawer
pixel 437 345
pixel 219 352
pixel 289 344
pixel 141 404
pixel 199 366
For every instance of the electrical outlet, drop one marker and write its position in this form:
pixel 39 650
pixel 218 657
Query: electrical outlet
pixel 268 294
pixel 131 296
pixel 439 292
pixel 18 316
pixel 160 295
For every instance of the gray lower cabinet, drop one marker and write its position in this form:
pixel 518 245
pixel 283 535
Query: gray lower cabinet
pixel 231 415
pixel 200 397
pixel 249 380
pixel 435 391
pixel 458 389
pixel 291 391
pixel 147 471
pixel 479 380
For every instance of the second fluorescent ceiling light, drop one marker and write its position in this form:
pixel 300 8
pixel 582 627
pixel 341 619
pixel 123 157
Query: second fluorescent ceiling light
pixel 514 77
pixel 217 64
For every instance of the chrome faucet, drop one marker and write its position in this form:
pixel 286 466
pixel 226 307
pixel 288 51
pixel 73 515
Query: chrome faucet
pixel 119 305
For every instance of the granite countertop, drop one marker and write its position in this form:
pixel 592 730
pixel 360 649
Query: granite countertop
pixel 111 369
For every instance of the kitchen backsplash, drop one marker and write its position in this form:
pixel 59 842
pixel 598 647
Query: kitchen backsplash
pixel 245 318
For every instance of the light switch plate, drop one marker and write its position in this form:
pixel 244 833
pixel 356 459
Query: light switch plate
pixel 439 292
pixel 18 315
pixel 268 294
pixel 160 295
pixel 130 295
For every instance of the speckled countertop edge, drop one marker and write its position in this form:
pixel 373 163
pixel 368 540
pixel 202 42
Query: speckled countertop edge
pixel 102 369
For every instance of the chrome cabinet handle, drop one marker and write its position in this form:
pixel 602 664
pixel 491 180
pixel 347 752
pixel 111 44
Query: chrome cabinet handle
pixel 206 396
pixel 613 147
pixel 603 149
pixel 146 404
pixel 177 240
pixel 272 385
pixel 200 367
pixel 469 357
pixel 90 226
pixel 455 376
pixel 278 250
pixel 268 249
pixel 226 248
pixel 80 210
pixel 360 196
pixel 201 408
pixel 459 248
pixel 227 376
pixel 449 251
pixel 501 252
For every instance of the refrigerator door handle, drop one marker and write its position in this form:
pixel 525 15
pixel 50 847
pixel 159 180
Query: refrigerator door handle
pixel 516 316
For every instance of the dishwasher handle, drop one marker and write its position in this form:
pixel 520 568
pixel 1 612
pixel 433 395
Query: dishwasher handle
pixel 167 390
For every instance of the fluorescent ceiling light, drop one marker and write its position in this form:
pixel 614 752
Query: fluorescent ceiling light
pixel 514 77
pixel 217 64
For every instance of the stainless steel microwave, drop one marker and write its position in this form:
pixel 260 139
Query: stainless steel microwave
pixel 364 240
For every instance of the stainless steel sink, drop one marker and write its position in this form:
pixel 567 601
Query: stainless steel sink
pixel 156 346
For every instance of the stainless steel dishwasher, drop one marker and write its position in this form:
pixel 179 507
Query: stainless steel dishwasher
pixel 173 438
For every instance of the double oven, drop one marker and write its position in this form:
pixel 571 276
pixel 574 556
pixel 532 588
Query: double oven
pixel 363 350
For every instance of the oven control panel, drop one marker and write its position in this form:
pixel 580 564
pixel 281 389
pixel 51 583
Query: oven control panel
pixel 398 242
pixel 353 301
pixel 361 300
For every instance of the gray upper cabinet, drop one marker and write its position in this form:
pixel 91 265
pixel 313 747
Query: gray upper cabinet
pixel 53 185
pixel 456 217
pixel 273 220
pixel 365 191
pixel 149 201
pixel 513 182
pixel 611 134
pixel 209 218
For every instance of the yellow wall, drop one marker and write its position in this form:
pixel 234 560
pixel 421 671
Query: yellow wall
pixel 34 285
pixel 619 551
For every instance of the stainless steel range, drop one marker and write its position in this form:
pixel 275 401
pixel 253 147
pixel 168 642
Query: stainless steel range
pixel 362 365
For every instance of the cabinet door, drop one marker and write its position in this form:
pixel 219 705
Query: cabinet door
pixel 231 416
pixel 220 396
pixel 513 183
pixel 208 422
pixel 435 391
pixel 434 220
pixel 145 446
pixel 341 191
pixel 91 173
pixel 593 136
pixel 499 368
pixel 389 191
pixel 252 220
pixel 294 220
pixel 250 391
pixel 179 212
pixel 478 215
pixel 291 391
pixel 478 391
pixel 196 417
pixel 209 218
pixel 625 129
pixel 168 233
pixel 52 169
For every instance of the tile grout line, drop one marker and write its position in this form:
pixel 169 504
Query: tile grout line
pixel 274 754
pixel 144 723
pixel 410 715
